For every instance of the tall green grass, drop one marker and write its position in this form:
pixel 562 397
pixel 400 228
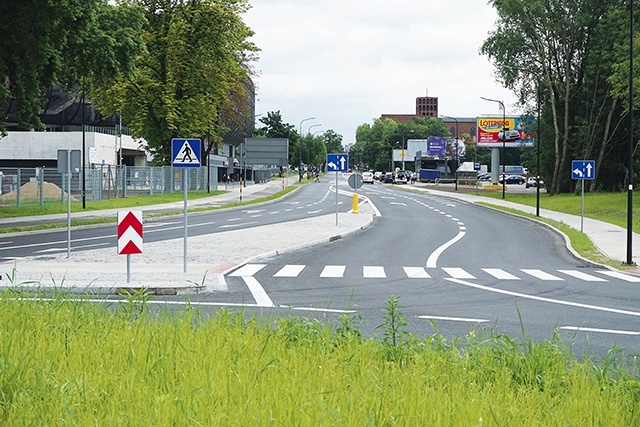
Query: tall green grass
pixel 65 362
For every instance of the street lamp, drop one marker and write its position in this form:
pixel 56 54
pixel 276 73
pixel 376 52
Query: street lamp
pixel 300 147
pixel 308 133
pixel 504 139
pixel 312 126
pixel 404 150
pixel 457 159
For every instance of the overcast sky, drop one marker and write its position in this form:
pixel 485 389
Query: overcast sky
pixel 346 62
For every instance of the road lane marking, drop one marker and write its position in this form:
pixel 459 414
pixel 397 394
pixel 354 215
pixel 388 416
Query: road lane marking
pixel 606 331
pixel 289 270
pixel 539 274
pixel 453 319
pixel 248 270
pixel 373 272
pixel 416 273
pixel 500 274
pixel 544 299
pixel 432 262
pixel 324 310
pixel 258 292
pixel 333 271
pixel 238 225
pixel 457 273
pixel 621 276
pixel 582 276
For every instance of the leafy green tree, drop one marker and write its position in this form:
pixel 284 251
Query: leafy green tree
pixel 275 127
pixel 196 52
pixel 333 141
pixel 559 44
pixel 40 44
pixel 376 142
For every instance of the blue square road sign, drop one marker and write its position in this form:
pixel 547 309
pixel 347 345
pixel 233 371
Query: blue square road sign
pixel 185 153
pixel 583 169
pixel 337 162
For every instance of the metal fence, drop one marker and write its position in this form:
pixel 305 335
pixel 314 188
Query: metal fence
pixel 39 186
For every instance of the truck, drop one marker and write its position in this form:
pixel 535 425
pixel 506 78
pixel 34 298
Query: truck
pixel 429 175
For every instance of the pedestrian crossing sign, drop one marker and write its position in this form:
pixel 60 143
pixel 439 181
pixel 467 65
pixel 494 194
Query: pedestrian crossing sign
pixel 185 153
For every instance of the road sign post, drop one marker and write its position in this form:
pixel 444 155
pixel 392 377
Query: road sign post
pixel 583 170
pixel 337 163
pixel 129 236
pixel 185 153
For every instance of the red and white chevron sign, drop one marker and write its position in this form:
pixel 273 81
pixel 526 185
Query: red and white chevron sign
pixel 129 232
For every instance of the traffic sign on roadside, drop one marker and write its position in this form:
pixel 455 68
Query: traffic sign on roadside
pixel 583 169
pixel 129 232
pixel 185 153
pixel 337 162
pixel 355 181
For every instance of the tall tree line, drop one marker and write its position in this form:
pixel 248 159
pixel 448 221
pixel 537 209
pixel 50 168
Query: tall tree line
pixel 171 68
pixel 577 52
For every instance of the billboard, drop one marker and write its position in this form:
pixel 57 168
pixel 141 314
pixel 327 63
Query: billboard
pixel 517 130
pixel 266 151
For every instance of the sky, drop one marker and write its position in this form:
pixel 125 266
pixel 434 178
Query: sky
pixel 346 62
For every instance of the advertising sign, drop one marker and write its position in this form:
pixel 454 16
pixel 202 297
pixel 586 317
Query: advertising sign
pixel 436 146
pixel 517 132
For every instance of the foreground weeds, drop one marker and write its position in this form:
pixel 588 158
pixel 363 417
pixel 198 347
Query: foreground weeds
pixel 65 362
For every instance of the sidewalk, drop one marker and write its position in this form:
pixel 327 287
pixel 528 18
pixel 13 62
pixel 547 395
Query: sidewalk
pixel 160 268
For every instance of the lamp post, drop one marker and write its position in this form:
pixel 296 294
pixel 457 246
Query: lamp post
pixel 404 150
pixel 300 147
pixel 630 165
pixel 504 119
pixel 308 133
pixel 457 159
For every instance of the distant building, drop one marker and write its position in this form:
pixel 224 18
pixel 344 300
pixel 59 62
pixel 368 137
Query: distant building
pixel 427 106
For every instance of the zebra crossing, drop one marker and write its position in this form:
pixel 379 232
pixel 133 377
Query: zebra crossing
pixel 412 272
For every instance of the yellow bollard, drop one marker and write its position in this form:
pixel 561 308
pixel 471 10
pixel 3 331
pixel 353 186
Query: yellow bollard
pixel 355 203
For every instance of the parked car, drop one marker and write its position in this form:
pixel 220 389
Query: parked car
pixel 512 179
pixel 367 177
pixel 389 178
pixel 511 135
pixel 378 176
pixel 531 182
pixel 402 177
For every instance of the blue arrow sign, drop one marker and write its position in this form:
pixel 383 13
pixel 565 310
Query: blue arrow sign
pixel 583 169
pixel 185 153
pixel 337 162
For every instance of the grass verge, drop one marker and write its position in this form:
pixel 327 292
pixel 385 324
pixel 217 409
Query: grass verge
pixel 67 362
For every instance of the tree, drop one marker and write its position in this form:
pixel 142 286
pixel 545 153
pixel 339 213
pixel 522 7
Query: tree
pixel 376 142
pixel 556 41
pixel 275 127
pixel 196 52
pixel 40 43
pixel 333 141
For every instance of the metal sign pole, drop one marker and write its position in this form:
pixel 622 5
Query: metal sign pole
pixel 336 198
pixel 184 180
pixel 68 203
pixel 582 207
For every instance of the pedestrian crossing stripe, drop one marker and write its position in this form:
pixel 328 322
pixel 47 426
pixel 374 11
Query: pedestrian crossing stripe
pixel 378 272
pixel 185 152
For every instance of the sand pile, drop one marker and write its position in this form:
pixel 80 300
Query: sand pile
pixel 31 190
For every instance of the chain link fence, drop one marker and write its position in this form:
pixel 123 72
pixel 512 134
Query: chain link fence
pixel 39 186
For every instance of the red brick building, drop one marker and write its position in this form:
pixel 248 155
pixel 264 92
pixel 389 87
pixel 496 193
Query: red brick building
pixel 427 106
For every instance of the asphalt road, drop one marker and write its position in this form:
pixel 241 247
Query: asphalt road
pixel 454 267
